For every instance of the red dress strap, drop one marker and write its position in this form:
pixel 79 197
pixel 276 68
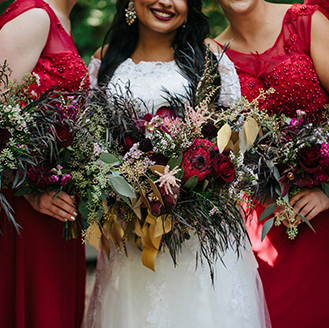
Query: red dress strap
pixel 60 40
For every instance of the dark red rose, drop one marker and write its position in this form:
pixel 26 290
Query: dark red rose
pixel 127 142
pixel 64 136
pixel 223 170
pixel 197 160
pixel 146 118
pixel 165 111
pixel 310 156
pixel 159 158
pixel 4 138
pixel 145 145
pixel 209 131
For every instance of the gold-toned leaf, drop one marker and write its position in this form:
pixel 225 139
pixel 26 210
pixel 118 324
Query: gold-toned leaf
pixel 106 245
pixel 95 234
pixel 158 168
pixel 114 231
pixel 163 225
pixel 146 239
pixel 223 137
pixel 155 190
pixel 149 256
pixel 144 199
pixel 105 206
pixel 236 147
pixel 155 240
pixel 151 219
pixel 137 228
pixel 248 134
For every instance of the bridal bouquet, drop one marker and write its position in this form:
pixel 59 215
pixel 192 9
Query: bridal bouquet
pixel 184 182
pixel 289 154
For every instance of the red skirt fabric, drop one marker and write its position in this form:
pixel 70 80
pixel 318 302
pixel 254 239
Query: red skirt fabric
pixel 294 272
pixel 42 276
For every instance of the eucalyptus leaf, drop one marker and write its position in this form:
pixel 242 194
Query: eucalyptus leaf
pixel 121 186
pixel 325 188
pixel 173 162
pixel 108 158
pixel 276 173
pixel 306 221
pixel 22 191
pixel 191 183
pixel 125 199
pixel 266 227
pixel 268 211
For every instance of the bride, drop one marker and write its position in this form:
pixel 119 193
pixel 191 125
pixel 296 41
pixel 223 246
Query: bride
pixel 146 43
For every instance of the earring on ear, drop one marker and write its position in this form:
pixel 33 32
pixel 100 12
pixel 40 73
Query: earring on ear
pixel 130 13
pixel 184 23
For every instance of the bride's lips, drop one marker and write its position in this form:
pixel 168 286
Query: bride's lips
pixel 162 14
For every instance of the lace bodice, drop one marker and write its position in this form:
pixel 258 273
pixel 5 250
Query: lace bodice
pixel 147 80
pixel 287 67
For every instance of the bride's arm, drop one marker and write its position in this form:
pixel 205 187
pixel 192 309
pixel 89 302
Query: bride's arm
pixel 94 65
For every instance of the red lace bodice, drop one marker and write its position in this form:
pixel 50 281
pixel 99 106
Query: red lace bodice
pixel 287 67
pixel 59 65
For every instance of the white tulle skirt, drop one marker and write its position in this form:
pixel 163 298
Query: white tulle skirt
pixel 128 295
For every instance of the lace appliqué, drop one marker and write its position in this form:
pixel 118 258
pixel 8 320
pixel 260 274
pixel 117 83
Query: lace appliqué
pixel 160 298
pixel 297 10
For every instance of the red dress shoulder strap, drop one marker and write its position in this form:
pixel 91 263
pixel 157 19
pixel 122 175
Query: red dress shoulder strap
pixel 58 39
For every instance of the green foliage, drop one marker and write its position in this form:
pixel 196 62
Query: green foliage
pixel 91 20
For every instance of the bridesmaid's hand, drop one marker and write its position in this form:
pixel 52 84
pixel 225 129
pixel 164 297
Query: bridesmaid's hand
pixel 62 207
pixel 310 202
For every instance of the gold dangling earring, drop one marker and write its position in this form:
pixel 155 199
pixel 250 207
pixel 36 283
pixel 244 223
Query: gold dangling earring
pixel 184 23
pixel 130 13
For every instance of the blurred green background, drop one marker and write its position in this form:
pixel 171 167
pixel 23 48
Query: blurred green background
pixel 91 20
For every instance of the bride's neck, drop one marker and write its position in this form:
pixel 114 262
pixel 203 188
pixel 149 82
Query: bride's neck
pixel 154 47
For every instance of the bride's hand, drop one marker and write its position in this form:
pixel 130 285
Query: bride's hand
pixel 310 202
pixel 62 207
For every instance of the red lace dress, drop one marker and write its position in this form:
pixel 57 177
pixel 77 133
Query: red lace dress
pixel 42 276
pixel 294 273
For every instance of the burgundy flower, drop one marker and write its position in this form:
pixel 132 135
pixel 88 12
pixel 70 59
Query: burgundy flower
pixel 309 157
pixel 169 200
pixel 146 118
pixel 291 177
pixel 165 111
pixel 64 136
pixel 209 131
pixel 320 177
pixel 145 145
pixel 197 160
pixel 159 158
pixel 4 138
pixel 127 142
pixel 223 170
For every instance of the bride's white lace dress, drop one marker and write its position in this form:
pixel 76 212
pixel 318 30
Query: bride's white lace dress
pixel 129 295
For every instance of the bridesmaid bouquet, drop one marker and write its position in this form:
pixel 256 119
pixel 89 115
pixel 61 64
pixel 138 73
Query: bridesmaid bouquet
pixel 16 118
pixel 289 154
pixel 184 181
pixel 67 141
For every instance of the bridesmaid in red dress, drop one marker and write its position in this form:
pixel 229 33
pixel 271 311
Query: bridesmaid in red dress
pixel 42 276
pixel 286 47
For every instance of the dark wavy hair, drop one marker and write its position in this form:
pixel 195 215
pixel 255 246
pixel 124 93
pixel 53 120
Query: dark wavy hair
pixel 189 46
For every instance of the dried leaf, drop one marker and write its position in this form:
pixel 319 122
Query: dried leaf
pixel 223 137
